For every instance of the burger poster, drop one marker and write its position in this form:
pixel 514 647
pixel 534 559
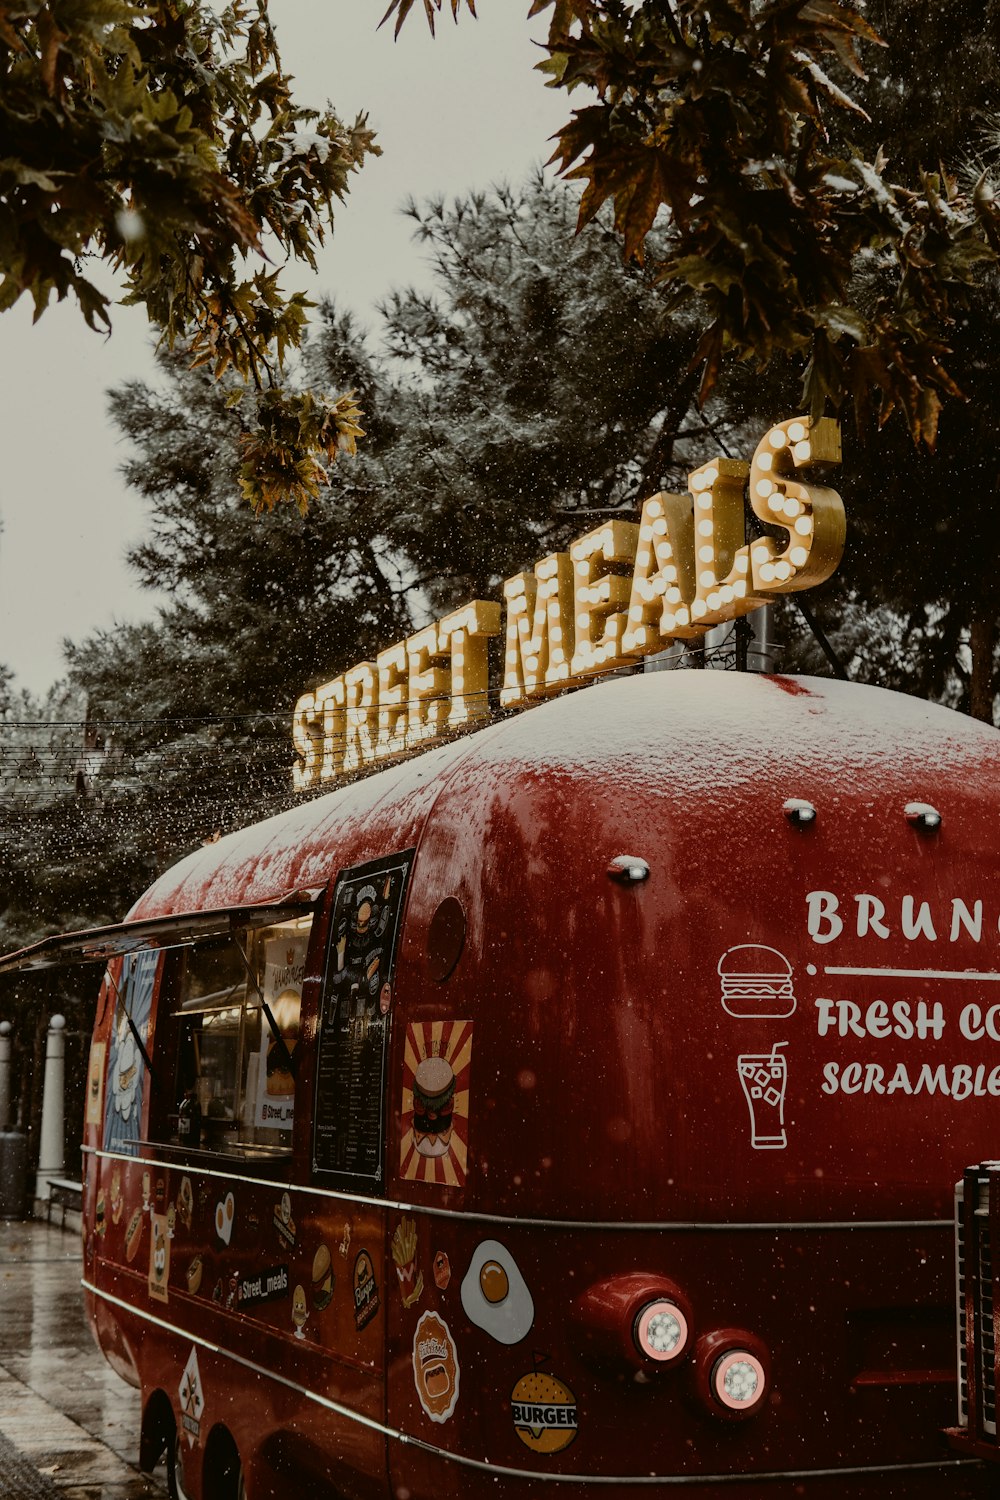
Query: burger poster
pixel 434 1145
pixel 284 967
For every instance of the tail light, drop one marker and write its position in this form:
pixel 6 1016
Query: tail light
pixel 732 1372
pixel 661 1331
pixel 639 1319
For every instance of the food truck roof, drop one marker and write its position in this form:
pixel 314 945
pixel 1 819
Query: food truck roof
pixel 690 735
pixel 694 735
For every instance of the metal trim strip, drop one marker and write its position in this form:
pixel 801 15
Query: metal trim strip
pixel 392 1205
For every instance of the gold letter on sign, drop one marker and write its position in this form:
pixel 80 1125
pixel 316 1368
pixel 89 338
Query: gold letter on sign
pixel 812 515
pixel 330 703
pixel 539 630
pixel 307 737
pixel 429 689
pixel 360 697
pixel 722 559
pixel 466 634
pixel 600 602
pixel 663 583
pixel 393 685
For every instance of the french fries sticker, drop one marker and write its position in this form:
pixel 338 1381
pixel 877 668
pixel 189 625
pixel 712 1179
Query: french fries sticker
pixel 404 1253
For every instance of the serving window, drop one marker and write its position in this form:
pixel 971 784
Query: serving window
pixel 235 1018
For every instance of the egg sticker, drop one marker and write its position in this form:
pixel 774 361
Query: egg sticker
pixel 495 1295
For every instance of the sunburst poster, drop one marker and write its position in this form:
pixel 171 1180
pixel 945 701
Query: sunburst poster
pixel 435 1125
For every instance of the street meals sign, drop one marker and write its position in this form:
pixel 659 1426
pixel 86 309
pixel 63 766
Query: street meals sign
pixel 620 592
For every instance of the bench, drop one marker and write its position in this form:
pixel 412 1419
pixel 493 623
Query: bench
pixel 65 1194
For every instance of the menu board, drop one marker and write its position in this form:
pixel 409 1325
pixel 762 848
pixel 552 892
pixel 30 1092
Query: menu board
pixel 355 1016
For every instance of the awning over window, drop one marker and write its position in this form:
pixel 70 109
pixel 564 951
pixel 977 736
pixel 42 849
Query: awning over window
pixel 98 944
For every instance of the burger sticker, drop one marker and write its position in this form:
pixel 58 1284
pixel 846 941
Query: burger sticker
pixel 544 1412
pixel 323 1278
pixel 433 1106
pixel 756 983
pixel 435 1367
pixel 365 1290
pixel 435 1114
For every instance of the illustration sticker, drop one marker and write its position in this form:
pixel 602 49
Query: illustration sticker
pixel 225 1212
pixel 756 983
pixel 192 1399
pixel 194 1275
pixel 117 1199
pixel 404 1253
pixel 272 1082
pixel 159 1257
pixel 323 1279
pixel 102 1223
pixel 764 1077
pixel 365 1290
pixel 147 1188
pixel 544 1412
pixel 95 1083
pixel 185 1202
pixel 495 1295
pixel 300 1311
pixel 133 1235
pixel 435 1367
pixel 442 1271
pixel 435 1110
pixel 283 1221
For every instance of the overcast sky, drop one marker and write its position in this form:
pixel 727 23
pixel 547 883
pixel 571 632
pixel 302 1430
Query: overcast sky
pixel 456 113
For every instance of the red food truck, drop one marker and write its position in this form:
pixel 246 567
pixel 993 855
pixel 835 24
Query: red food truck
pixel 561 1111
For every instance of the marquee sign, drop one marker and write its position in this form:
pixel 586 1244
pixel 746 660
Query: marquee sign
pixel 620 593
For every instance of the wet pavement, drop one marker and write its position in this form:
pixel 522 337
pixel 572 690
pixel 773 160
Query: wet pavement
pixel 69 1426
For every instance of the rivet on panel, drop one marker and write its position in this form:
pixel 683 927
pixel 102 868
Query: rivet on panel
pixel 921 815
pixel 628 869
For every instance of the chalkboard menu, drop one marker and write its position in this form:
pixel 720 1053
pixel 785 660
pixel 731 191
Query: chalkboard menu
pixel 355 1015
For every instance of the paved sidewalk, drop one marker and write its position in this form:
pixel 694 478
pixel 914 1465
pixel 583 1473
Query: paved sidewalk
pixel 69 1426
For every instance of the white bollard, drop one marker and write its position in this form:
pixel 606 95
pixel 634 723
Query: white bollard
pixel 5 1030
pixel 50 1154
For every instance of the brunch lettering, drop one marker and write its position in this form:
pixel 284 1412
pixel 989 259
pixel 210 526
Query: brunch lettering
pixel 974 1013
pixel 620 593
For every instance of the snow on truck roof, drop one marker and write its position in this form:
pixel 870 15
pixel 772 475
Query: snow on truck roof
pixel 687 731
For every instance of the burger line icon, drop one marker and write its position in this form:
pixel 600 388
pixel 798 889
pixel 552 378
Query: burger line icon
pixel 756 983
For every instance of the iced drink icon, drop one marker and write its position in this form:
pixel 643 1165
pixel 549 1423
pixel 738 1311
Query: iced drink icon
pixel 764 1078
